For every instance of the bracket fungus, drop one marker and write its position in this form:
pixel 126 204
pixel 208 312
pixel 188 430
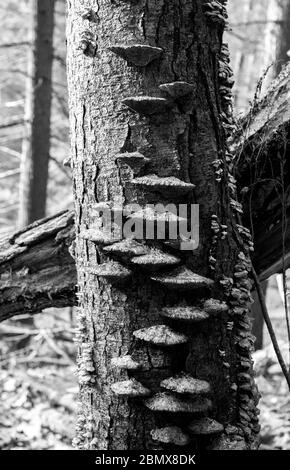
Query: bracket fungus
pixel 155 260
pixel 166 402
pixel 135 160
pixel 169 185
pixel 185 313
pixel 205 427
pixel 130 388
pixel 182 279
pixel 186 384
pixel 150 215
pixel 214 306
pixel 177 89
pixel 112 271
pixel 137 54
pixel 170 435
pixel 126 249
pixel 147 105
pixel 160 335
pixel 125 363
pixel 99 236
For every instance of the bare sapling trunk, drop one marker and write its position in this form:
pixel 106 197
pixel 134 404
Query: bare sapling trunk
pixel 36 144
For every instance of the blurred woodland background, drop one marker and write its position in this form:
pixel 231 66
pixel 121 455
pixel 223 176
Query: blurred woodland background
pixel 38 387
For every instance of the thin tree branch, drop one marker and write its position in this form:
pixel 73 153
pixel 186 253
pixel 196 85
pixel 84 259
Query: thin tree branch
pixel 15 44
pixel 270 327
pixel 7 174
pixel 11 152
pixel 18 121
pixel 248 23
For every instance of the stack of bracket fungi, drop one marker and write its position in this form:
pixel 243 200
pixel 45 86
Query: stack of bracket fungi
pixel 181 403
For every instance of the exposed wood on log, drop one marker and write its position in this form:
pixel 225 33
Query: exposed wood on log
pixel 36 269
pixel 262 148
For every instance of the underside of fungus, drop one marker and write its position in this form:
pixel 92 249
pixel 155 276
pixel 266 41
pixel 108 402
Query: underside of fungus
pixel 170 435
pixel 182 279
pixel 205 427
pixel 168 186
pixel 147 105
pixel 214 306
pixel 185 313
pixel 166 402
pixel 137 54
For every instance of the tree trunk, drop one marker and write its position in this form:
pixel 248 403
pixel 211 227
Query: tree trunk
pixel 36 145
pixel 185 137
pixel 255 28
pixel 283 42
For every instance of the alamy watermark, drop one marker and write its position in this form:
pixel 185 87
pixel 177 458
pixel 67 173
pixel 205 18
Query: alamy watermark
pixel 150 222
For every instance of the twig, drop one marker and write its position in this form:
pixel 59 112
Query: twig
pixel 11 152
pixel 15 44
pixel 16 122
pixel 60 166
pixel 8 173
pixel 44 360
pixel 270 326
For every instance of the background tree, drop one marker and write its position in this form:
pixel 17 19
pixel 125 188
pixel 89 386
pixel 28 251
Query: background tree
pixel 283 42
pixel 36 145
pixel 157 81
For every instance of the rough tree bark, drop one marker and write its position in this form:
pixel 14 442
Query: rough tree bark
pixel 180 131
pixel 36 145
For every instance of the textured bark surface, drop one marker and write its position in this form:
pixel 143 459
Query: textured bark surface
pixel 36 269
pixel 184 141
pixel 36 145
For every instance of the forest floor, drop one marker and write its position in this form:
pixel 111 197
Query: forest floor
pixel 38 387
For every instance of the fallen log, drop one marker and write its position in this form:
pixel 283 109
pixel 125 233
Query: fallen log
pixel 36 268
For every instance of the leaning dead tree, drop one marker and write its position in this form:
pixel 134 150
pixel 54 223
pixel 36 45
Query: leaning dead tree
pixel 255 144
pixel 164 335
